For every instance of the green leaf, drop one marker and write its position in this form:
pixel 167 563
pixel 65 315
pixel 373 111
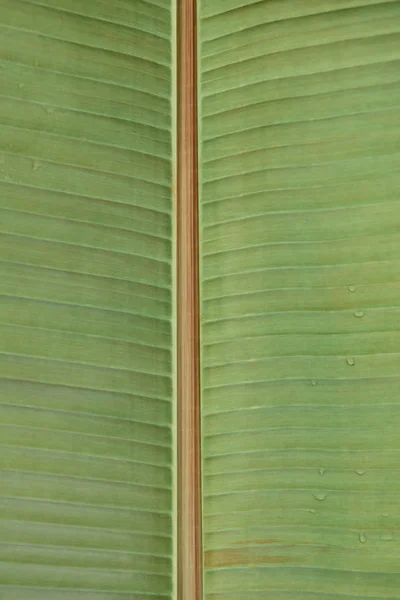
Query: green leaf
pixel 299 158
pixel 86 300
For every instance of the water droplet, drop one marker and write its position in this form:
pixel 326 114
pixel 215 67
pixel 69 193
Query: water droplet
pixel 313 382
pixel 351 362
pixel 358 313
pixel 36 165
pixel 385 515
pixel 320 497
pixel 321 471
pixel 387 536
pixel 352 288
pixel 363 538
pixel 360 471
pixel 312 511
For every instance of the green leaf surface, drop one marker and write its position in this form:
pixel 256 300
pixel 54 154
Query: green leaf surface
pixel 299 141
pixel 86 300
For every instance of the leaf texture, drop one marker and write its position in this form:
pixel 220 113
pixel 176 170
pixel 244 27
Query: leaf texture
pixel 300 262
pixel 85 300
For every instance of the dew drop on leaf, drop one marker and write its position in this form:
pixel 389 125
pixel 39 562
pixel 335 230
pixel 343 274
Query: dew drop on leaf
pixel 352 288
pixel 320 497
pixel 313 382
pixel 360 471
pixel 363 538
pixel 351 362
pixel 321 471
pixel 386 537
pixel 358 313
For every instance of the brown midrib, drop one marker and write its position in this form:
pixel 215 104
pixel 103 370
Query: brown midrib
pixel 190 569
